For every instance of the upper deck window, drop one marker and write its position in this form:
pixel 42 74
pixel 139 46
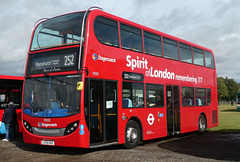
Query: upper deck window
pixel 185 53
pixel 58 31
pixel 152 44
pixel 106 31
pixel 198 56
pixel 131 38
pixel 170 49
pixel 209 60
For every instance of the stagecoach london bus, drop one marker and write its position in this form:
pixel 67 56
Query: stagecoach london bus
pixel 11 90
pixel 93 79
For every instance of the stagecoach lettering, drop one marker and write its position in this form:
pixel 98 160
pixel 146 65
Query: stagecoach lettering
pixel 103 59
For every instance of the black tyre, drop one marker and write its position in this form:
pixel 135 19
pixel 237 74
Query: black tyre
pixel 132 134
pixel 202 124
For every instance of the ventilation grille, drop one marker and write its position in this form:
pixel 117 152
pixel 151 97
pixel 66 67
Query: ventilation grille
pixel 214 117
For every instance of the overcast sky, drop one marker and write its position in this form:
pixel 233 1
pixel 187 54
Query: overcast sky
pixel 214 24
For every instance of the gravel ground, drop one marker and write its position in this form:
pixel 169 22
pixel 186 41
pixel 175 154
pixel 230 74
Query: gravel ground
pixel 188 147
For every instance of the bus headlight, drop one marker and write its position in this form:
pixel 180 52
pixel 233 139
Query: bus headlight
pixel 71 128
pixel 27 126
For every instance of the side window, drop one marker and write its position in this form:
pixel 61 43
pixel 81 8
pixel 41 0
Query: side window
pixel 209 96
pixel 200 96
pixel 155 95
pixel 198 56
pixel 131 38
pixel 132 94
pixel 152 44
pixel 209 60
pixel 15 97
pixel 185 53
pixel 106 31
pixel 170 49
pixel 3 97
pixel 187 96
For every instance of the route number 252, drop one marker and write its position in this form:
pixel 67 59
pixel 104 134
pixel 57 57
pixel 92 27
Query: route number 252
pixel 69 60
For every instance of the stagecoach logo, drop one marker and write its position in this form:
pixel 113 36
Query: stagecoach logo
pixel 94 56
pixel 47 124
pixel 150 119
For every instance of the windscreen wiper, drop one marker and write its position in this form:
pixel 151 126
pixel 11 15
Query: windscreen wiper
pixel 27 76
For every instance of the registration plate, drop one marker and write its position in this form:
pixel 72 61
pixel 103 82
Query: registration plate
pixel 47 142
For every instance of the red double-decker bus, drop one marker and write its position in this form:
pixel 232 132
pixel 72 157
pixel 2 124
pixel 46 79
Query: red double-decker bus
pixel 11 90
pixel 94 79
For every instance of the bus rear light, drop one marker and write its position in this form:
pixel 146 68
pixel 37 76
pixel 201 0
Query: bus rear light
pixel 27 126
pixel 71 128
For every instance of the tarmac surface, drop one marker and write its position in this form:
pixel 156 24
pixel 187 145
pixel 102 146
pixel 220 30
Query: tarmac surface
pixel 209 146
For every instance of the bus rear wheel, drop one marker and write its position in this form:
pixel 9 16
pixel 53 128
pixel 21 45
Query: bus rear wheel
pixel 202 124
pixel 132 135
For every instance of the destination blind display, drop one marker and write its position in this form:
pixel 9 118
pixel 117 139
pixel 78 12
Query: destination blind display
pixel 54 61
pixel 132 76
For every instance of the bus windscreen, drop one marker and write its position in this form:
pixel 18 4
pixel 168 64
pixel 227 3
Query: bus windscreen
pixel 51 96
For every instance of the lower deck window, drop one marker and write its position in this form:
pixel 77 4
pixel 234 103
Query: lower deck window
pixel 132 94
pixel 187 96
pixel 200 96
pixel 155 95
pixel 208 96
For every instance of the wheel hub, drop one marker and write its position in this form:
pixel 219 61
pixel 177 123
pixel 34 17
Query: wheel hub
pixel 132 135
pixel 202 124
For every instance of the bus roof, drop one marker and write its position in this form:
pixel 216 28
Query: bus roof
pixel 148 29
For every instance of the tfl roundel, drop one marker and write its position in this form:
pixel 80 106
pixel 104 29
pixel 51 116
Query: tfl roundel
pixel 150 119
pixel 94 56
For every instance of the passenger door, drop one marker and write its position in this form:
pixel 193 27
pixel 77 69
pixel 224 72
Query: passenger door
pixel 173 109
pixel 103 111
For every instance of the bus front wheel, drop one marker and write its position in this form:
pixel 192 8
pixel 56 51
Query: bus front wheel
pixel 132 134
pixel 202 124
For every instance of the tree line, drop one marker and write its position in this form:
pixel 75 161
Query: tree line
pixel 227 89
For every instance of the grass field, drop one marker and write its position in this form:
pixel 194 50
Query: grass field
pixel 229 119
